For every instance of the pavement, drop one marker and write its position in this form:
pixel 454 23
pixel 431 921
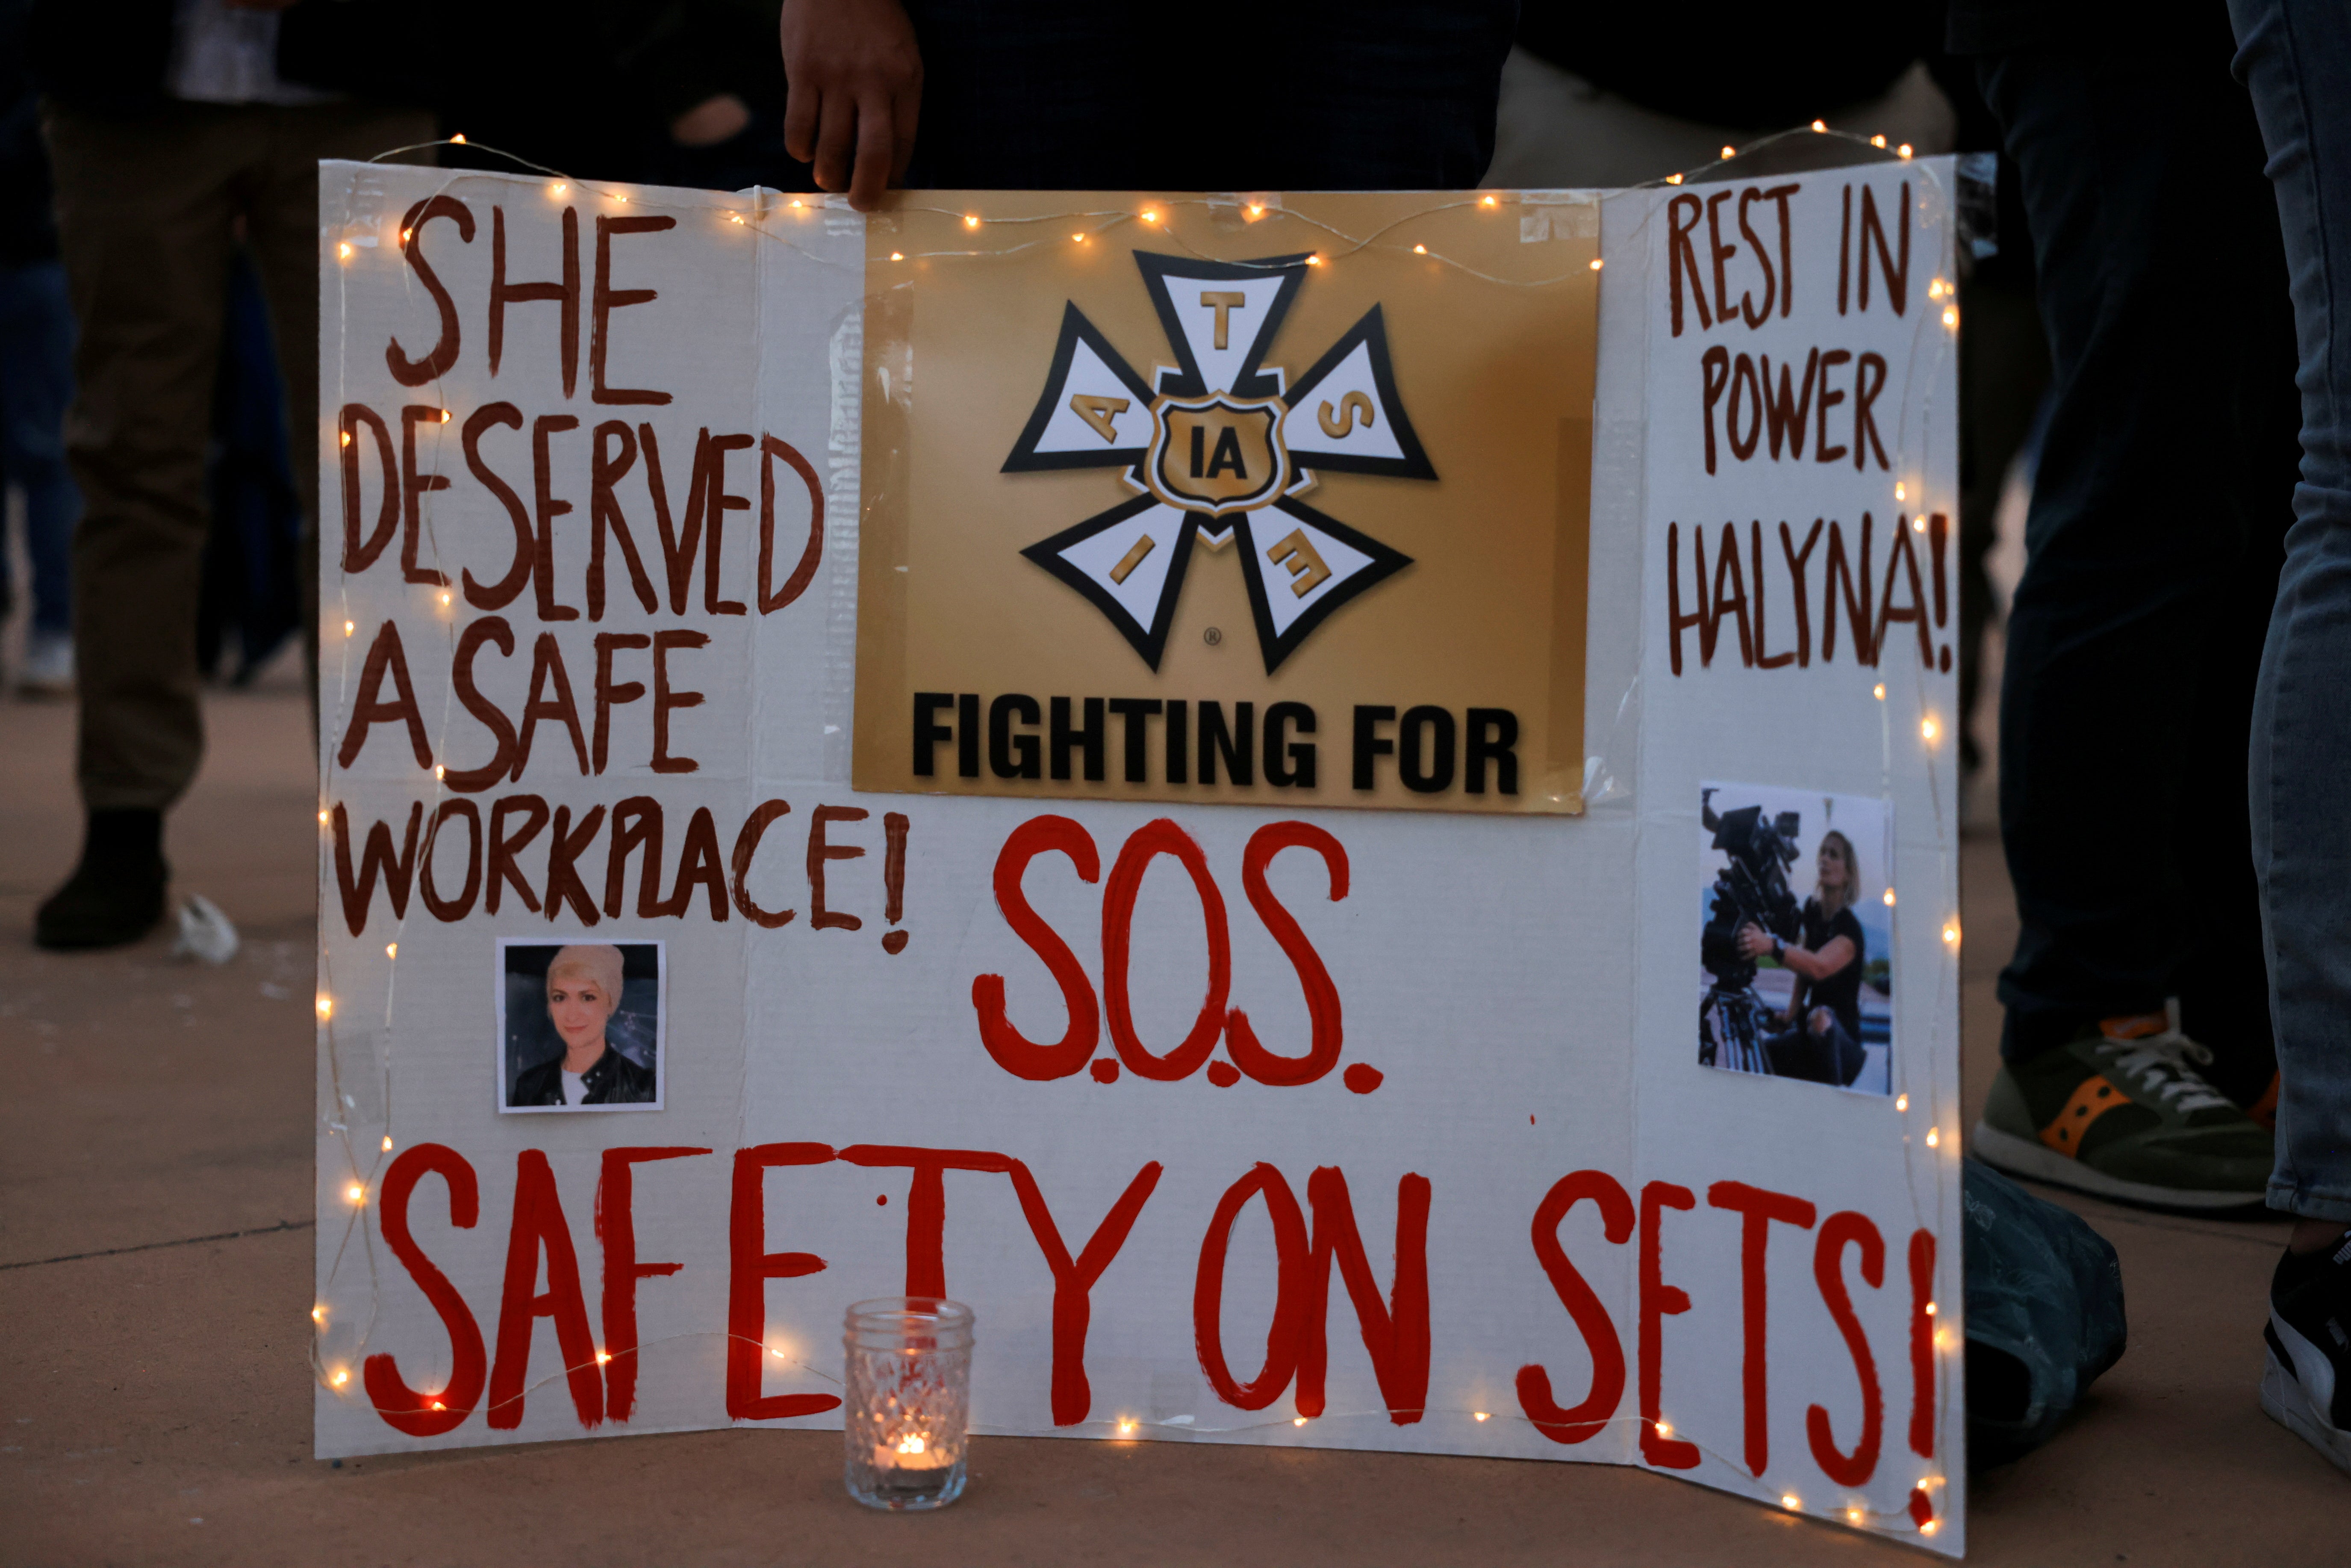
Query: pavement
pixel 155 1257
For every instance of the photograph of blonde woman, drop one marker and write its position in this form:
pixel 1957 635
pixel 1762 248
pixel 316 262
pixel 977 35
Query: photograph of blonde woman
pixel 580 1026
pixel 1795 937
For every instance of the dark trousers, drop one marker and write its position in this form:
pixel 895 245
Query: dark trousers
pixel 2164 493
pixel 1832 1056
pixel 147 211
pixel 1312 96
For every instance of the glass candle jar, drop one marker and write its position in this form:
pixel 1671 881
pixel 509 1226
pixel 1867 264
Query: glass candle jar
pixel 908 1401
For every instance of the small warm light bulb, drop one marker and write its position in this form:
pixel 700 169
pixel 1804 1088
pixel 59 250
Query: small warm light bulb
pixel 347 438
pixel 1665 1429
pixel 1298 1420
pixel 1256 209
pixel 1820 125
pixel 1313 261
pixel 1952 315
pixel 1930 1309
pixel 1126 1426
pixel 438 1406
pixel 1488 201
pixel 343 252
pixel 1791 1501
pixel 458 139
pixel 1877 142
pixel 1080 238
pixel 603 1356
pixel 1853 1513
pixel 318 1314
pixel 404 234
pixel 734 217
pixel 1929 1528
pixel 445 419
pixel 1935 291
pixel 1951 932
pixel 445 600
pixel 1898 493
pixel 1903 151
pixel 1673 179
pixel 1149 216
pixel 1595 264
pixel 971 220
pixel 356 1192
pixel 897 255
pixel 326 1007
pixel 1929 729
pixel 1878 691
pixel 911 1443
pixel 798 202
pixel 1730 152
pixel 1889 898
pixel 1934 1137
pixel 392 949
pixel 387 1146
pixel 1420 250
pixel 349 627
pixel 778 1352
pixel 339 1378
pixel 1902 1103
pixel 438 771
pixel 1918 524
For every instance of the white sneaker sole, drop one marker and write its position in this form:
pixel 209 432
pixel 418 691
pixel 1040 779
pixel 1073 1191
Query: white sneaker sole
pixel 2031 1158
pixel 2287 1402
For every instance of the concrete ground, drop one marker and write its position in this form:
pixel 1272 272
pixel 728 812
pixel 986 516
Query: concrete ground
pixel 155 1160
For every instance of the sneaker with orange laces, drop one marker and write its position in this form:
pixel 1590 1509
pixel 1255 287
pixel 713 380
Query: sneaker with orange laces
pixel 2120 1111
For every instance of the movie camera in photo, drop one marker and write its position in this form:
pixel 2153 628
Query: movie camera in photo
pixel 1795 940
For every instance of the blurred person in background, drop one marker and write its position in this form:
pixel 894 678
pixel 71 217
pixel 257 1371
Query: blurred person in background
pixel 2137 1035
pixel 1392 95
pixel 169 123
pixel 35 373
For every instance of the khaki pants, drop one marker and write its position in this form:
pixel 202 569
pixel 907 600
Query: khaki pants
pixel 147 211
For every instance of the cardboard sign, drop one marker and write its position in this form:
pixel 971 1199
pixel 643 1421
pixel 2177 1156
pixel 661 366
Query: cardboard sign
pixel 1137 591
pixel 668 1004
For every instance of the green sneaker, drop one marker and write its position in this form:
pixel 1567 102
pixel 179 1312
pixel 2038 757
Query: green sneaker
pixel 2119 1113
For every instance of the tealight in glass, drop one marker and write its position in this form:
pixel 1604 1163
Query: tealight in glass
pixel 908 1401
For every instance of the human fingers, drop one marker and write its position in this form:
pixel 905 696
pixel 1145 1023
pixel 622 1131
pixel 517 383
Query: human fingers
pixel 801 124
pixel 836 142
pixel 876 154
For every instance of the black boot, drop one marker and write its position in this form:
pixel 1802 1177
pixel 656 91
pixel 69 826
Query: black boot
pixel 116 894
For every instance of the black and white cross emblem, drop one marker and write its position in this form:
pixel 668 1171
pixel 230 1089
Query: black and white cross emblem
pixel 1219 452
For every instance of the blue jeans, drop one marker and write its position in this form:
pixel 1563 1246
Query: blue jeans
pixel 2296 57
pixel 36 337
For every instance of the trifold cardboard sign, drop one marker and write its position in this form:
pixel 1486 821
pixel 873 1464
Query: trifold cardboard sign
pixel 1336 809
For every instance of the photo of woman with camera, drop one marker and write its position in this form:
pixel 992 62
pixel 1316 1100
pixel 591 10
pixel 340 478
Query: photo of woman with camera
pixel 1822 1041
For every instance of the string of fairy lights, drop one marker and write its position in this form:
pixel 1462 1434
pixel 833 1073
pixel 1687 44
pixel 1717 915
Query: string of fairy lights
pixel 759 212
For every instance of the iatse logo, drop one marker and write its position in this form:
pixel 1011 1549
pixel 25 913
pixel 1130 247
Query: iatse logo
pixel 1219 453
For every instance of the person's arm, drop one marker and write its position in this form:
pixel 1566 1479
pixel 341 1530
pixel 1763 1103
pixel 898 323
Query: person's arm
pixel 853 76
pixel 1833 955
pixel 1754 942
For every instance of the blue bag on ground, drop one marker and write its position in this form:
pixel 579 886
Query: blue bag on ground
pixel 2044 1314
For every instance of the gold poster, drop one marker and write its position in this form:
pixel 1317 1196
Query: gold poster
pixel 1279 500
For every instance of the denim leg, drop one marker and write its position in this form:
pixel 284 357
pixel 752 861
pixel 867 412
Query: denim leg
pixel 36 383
pixel 2153 546
pixel 2296 58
